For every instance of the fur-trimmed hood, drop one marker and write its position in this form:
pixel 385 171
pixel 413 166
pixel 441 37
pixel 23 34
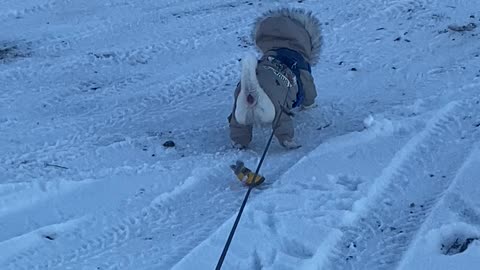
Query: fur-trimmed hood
pixel 292 28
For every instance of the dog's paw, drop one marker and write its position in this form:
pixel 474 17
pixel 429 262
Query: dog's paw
pixel 307 107
pixel 238 146
pixel 290 144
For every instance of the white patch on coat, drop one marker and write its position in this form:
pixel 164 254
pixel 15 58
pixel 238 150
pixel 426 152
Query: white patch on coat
pixel 253 104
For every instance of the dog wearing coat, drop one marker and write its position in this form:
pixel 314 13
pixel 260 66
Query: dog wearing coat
pixel 289 40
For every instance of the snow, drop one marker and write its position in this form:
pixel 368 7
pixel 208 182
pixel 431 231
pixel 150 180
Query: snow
pixel 454 219
pixel 386 178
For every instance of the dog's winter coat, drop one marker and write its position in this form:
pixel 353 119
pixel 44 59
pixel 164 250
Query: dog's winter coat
pixel 270 86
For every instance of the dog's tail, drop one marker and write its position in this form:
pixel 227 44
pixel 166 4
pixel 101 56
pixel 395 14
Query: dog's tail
pixel 253 104
pixel 249 82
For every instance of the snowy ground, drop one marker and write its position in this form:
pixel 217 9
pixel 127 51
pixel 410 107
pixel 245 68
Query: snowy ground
pixel 387 178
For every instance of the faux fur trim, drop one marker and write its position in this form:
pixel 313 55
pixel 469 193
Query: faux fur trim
pixel 305 18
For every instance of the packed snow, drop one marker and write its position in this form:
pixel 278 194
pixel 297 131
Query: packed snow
pixel 114 148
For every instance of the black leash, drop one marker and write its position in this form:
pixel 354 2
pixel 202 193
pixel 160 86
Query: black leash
pixel 239 215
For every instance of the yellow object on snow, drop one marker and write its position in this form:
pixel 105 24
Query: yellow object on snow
pixel 245 175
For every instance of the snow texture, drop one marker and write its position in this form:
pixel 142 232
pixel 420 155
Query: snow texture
pixel 90 91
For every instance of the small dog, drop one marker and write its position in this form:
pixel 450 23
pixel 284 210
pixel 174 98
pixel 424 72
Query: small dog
pixel 289 40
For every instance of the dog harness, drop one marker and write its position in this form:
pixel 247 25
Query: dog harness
pixel 295 62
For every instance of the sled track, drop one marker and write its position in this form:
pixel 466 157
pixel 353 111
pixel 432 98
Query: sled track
pixel 379 237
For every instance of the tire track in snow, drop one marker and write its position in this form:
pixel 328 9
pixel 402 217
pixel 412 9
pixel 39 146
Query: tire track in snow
pixel 159 25
pixel 375 10
pixel 78 147
pixel 203 35
pixel 403 9
pixel 171 50
pixel 412 186
pixel 157 224
pixel 45 233
pixel 179 95
pixel 165 10
pixel 168 223
pixel 362 19
pixel 27 163
pixel 18 13
pixel 108 135
pixel 120 233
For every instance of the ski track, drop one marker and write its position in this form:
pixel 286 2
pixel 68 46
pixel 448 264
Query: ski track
pixel 379 237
